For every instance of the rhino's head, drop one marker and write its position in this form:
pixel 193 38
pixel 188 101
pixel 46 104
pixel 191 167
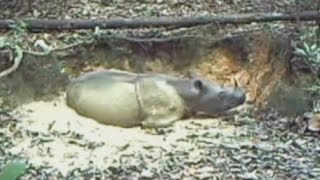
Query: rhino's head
pixel 211 99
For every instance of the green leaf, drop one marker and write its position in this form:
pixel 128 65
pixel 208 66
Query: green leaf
pixel 13 170
pixel 301 51
pixel 313 47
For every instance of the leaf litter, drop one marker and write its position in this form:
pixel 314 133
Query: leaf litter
pixel 58 143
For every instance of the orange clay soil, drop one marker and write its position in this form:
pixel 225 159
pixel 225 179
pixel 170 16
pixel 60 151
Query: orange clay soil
pixel 257 62
pixel 263 68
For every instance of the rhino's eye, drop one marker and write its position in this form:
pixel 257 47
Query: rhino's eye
pixel 222 94
pixel 198 84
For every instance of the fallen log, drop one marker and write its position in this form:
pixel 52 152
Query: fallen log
pixel 156 22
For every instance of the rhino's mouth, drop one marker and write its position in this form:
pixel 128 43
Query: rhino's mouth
pixel 232 108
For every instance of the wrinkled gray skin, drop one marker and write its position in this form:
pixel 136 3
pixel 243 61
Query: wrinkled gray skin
pixel 125 99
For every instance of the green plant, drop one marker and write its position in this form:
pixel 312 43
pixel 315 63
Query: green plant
pixel 311 51
pixel 308 46
pixel 13 170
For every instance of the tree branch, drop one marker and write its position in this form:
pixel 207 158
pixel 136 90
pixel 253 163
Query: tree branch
pixel 47 25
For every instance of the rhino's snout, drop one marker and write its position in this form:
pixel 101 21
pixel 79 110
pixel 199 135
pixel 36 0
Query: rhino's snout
pixel 232 97
pixel 240 95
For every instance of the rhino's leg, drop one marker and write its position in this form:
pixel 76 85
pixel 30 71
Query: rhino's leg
pixel 152 122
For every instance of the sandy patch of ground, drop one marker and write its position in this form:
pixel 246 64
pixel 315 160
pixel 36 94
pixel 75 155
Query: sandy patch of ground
pixel 67 141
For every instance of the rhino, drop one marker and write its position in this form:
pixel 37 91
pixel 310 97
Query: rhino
pixel 151 100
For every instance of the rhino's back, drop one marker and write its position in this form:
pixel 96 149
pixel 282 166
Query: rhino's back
pixel 104 99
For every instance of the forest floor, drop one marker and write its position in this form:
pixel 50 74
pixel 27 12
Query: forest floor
pixel 59 144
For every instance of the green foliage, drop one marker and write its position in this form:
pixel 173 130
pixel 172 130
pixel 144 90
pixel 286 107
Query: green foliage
pixel 16 36
pixel 309 47
pixel 311 51
pixel 19 27
pixel 13 170
pixel 16 39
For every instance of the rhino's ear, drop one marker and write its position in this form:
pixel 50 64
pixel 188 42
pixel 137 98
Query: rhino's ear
pixel 198 84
